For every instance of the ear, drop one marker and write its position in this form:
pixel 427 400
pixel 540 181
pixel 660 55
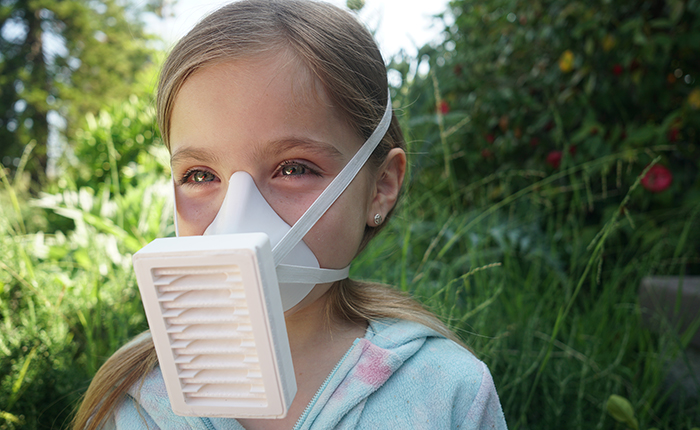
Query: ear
pixel 388 184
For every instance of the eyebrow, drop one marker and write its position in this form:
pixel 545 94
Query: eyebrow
pixel 273 149
pixel 277 148
pixel 196 154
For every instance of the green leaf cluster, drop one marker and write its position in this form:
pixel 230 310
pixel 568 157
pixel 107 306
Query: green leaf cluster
pixel 68 296
pixel 542 86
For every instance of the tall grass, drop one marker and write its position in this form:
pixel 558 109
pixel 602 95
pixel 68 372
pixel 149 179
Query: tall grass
pixel 545 299
pixel 549 303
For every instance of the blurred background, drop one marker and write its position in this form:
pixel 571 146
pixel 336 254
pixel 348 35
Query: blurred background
pixel 551 214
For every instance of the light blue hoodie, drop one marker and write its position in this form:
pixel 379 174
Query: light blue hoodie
pixel 401 375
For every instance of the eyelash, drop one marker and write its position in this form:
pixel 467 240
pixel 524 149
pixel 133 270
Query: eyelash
pixel 304 166
pixel 185 178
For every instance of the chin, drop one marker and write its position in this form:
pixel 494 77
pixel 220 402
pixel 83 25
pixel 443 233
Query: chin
pixel 312 302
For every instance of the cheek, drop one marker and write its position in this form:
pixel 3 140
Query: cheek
pixel 336 237
pixel 194 216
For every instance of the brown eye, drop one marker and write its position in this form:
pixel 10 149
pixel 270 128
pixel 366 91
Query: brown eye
pixel 293 170
pixel 201 176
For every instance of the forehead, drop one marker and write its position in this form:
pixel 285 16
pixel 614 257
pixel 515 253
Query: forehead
pixel 256 100
pixel 249 80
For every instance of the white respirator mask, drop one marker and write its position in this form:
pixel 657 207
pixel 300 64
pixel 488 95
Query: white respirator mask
pixel 215 303
pixel 245 210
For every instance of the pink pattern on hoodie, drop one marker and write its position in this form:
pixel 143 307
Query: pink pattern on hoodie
pixel 374 367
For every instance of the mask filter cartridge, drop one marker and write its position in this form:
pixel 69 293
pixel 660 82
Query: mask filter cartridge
pixel 215 314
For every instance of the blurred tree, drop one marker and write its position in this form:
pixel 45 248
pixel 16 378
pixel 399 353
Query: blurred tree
pixel 355 5
pixel 60 60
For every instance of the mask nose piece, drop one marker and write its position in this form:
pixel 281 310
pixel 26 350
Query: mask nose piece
pixel 245 210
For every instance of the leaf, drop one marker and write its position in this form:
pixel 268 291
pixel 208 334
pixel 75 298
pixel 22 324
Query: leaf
pixel 10 418
pixel 677 9
pixel 670 119
pixel 585 131
pixel 58 252
pixel 644 134
pixel 590 84
pixel 83 259
pixel 20 378
pixel 660 23
pixel 640 38
pixel 621 409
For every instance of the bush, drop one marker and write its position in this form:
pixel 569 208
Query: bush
pixel 535 88
pixel 112 148
pixel 562 136
pixel 68 296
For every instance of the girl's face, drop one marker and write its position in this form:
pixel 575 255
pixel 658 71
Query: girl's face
pixel 269 118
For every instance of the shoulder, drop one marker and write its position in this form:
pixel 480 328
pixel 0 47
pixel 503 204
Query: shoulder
pixel 423 349
pixel 440 385
pixel 440 368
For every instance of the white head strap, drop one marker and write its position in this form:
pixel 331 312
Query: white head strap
pixel 334 189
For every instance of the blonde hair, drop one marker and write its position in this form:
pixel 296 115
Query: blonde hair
pixel 342 55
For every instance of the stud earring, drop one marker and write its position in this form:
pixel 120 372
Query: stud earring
pixel 377 219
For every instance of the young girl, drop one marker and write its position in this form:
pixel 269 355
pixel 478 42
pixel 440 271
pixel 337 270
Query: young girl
pixel 287 91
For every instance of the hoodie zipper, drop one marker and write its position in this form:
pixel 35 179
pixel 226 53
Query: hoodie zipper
pixel 208 424
pixel 313 401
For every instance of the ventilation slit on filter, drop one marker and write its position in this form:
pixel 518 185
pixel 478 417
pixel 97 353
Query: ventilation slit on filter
pixel 209 326
pixel 216 318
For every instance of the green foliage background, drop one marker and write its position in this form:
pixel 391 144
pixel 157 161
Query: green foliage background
pixel 536 265
pixel 65 58
pixel 538 119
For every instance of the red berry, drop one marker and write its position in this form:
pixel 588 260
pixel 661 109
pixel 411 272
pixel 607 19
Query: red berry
pixel 534 142
pixel 554 159
pixel 673 134
pixel 617 69
pixel 457 70
pixel 657 179
pixel 444 107
pixel 572 149
pixel 490 138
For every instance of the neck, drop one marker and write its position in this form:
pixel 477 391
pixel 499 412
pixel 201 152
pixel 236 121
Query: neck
pixel 310 327
pixel 318 342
